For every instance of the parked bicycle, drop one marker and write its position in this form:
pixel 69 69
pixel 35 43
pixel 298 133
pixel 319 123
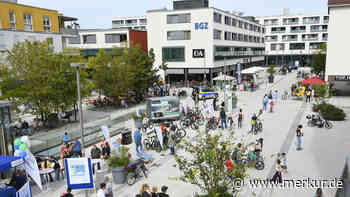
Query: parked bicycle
pixel 212 124
pixel 317 120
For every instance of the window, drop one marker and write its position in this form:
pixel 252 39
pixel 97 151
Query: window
pixel 74 40
pixel 143 21
pixel 228 35
pixel 240 37
pixel 281 46
pixel 273 47
pixel 262 40
pixel 234 22
pixel 115 38
pixel 250 38
pixel 246 25
pixel 28 26
pixel 228 20
pixel 245 38
pixel 89 39
pixel 296 46
pixel 217 17
pixel 258 39
pixel 179 35
pixel 259 29
pixel 250 27
pixel 240 24
pixel 234 36
pixel 178 18
pixel 217 34
pixel 263 30
pixel 12 21
pixel 47 24
pixel 174 54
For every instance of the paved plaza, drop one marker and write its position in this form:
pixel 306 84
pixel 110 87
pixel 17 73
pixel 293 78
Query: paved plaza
pixel 322 157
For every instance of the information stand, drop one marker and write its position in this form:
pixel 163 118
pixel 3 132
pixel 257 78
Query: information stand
pixel 79 173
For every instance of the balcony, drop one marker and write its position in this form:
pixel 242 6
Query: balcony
pixel 271 24
pixel 311 21
pixel 319 30
pixel 68 32
pixel 289 39
pixel 310 39
pixel 277 32
pixel 131 24
pixel 298 31
pixel 271 40
pixel 290 23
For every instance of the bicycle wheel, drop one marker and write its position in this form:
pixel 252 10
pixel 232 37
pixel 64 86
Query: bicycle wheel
pixel 130 178
pixel 328 125
pixel 259 165
pixel 181 133
pixel 260 127
pixel 147 144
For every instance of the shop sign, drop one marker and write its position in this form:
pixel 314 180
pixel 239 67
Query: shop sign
pixel 201 26
pixel 198 53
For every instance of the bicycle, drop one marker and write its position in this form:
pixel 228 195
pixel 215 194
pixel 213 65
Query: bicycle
pixel 151 141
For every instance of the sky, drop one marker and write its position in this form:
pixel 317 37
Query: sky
pixel 99 13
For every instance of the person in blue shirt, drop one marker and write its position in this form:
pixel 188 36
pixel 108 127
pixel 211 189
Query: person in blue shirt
pixel 65 137
pixel 138 141
pixel 77 147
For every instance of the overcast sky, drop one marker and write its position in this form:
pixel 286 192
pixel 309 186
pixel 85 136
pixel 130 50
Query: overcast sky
pixel 99 13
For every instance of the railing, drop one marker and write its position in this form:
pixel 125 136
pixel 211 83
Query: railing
pixel 276 32
pixel 297 31
pixel 66 31
pixel 311 22
pixel 319 30
pixel 310 39
pixel 271 40
pixel 290 39
pixel 290 23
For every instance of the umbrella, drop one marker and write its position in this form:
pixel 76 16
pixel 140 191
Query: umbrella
pixel 313 80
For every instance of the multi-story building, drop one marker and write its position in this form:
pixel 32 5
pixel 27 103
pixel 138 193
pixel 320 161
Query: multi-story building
pixel 337 67
pixel 90 41
pixel 22 22
pixel 291 38
pixel 203 42
pixel 135 23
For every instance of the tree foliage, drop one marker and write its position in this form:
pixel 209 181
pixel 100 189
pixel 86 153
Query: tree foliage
pixel 319 64
pixel 114 76
pixel 204 164
pixel 35 76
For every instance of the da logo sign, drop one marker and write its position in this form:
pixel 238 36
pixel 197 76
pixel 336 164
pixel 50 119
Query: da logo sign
pixel 198 53
pixel 200 26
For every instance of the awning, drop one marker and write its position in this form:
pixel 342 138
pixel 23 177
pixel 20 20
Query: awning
pixel 253 70
pixel 224 78
pixel 7 162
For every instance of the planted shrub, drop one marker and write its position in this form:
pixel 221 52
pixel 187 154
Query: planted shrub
pixel 330 112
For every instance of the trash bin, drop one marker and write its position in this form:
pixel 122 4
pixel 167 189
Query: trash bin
pixel 126 137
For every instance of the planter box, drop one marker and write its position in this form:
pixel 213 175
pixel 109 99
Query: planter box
pixel 119 175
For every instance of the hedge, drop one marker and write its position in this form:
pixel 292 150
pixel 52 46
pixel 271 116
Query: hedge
pixel 330 112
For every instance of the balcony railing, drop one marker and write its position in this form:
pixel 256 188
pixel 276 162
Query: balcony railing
pixel 69 32
pixel 291 23
pixel 271 24
pixel 271 40
pixel 298 31
pixel 311 22
pixel 325 38
pixel 319 30
pixel 276 32
pixel 290 39
pixel 310 39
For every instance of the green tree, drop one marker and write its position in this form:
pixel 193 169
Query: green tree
pixel 35 76
pixel 319 64
pixel 203 163
pixel 114 76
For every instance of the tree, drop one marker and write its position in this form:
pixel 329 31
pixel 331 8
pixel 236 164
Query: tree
pixel 203 163
pixel 319 64
pixel 35 76
pixel 114 76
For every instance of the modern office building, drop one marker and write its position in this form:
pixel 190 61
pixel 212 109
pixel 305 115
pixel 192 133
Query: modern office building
pixel 135 23
pixel 337 66
pixel 90 41
pixel 22 22
pixel 203 42
pixel 294 37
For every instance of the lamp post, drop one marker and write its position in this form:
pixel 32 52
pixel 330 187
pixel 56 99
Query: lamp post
pixel 77 66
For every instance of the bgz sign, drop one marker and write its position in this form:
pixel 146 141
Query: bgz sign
pixel 200 26
pixel 198 53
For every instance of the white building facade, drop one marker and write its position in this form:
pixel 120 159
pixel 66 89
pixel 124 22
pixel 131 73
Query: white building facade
pixel 201 43
pixel 136 23
pixel 291 38
pixel 337 66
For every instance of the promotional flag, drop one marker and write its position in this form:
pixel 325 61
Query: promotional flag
pixel 31 167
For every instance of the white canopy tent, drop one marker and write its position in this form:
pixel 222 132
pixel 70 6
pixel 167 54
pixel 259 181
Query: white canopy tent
pixel 253 70
pixel 224 78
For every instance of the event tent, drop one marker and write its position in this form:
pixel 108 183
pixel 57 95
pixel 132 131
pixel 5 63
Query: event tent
pixel 224 78
pixel 253 70
pixel 7 162
pixel 313 80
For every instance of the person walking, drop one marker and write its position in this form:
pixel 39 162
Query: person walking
pixel 272 104
pixel 56 167
pixel 65 137
pixel 101 191
pixel 283 159
pixel 68 193
pixel 214 104
pixel 164 190
pixel 265 102
pixel 154 192
pixel 138 142
pixel 275 96
pixel 109 188
pixel 277 177
pixel 240 118
pixel 172 142
pixel 299 135
pixel 223 119
pixel 106 148
pixel 95 154
pixel 308 95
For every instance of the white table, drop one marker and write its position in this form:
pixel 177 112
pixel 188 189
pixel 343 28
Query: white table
pixel 45 173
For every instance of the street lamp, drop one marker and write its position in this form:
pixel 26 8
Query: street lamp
pixel 77 66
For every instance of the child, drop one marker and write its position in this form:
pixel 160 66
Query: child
pixel 271 106
pixel 283 159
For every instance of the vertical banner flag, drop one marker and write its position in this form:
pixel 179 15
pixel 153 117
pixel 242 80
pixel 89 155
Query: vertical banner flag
pixel 31 167
pixel 105 132
pixel 160 136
